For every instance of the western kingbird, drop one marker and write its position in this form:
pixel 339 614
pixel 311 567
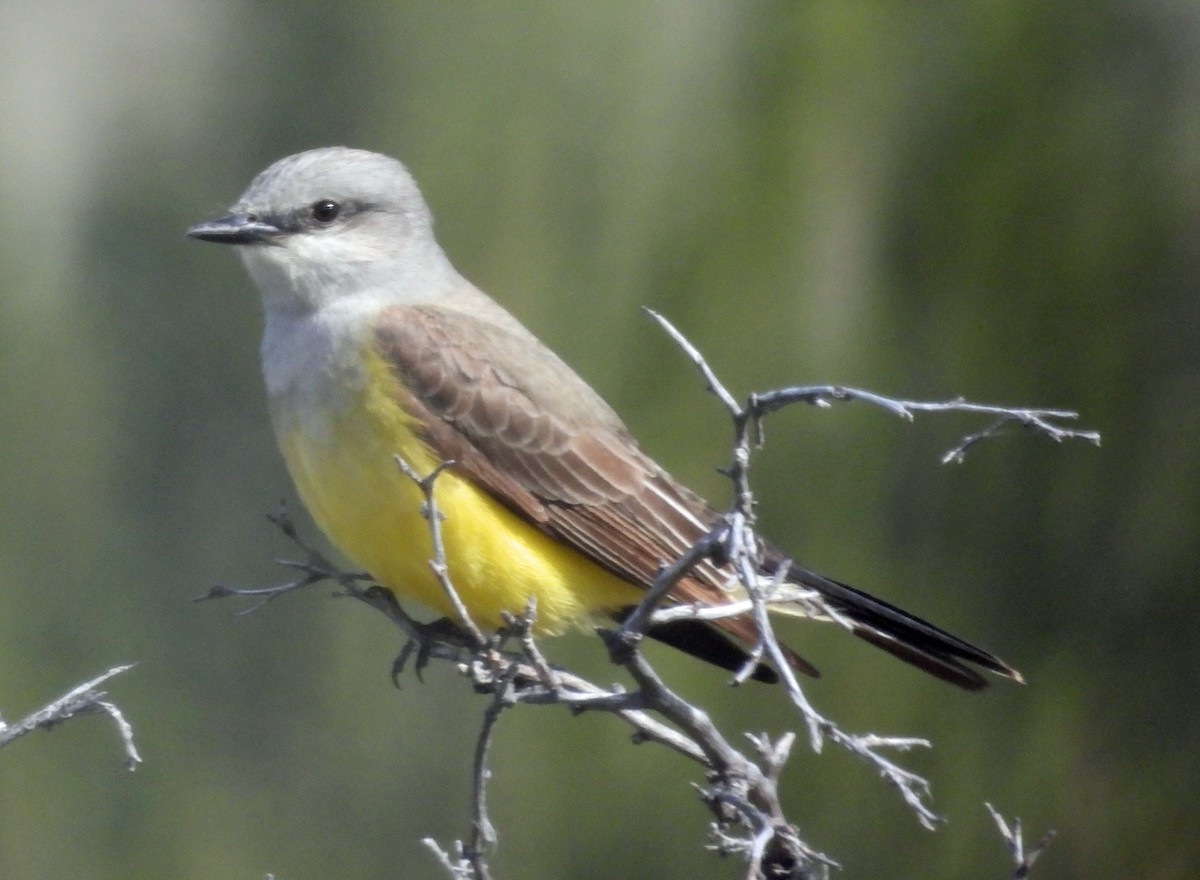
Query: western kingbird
pixel 375 346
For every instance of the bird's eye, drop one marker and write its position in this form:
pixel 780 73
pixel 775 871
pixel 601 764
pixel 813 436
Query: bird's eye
pixel 326 211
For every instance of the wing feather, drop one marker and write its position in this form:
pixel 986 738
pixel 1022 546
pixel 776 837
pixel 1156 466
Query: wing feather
pixel 543 443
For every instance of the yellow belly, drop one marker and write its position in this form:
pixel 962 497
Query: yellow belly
pixel 348 479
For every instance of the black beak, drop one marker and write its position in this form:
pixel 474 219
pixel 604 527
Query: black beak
pixel 235 229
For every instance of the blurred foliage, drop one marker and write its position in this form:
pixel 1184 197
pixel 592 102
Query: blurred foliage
pixel 993 199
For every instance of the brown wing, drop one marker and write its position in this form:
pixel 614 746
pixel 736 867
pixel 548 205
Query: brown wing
pixel 521 423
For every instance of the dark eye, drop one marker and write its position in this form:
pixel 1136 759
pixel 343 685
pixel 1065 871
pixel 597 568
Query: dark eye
pixel 325 211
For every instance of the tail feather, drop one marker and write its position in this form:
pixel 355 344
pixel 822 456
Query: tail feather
pixel 892 629
pixel 904 635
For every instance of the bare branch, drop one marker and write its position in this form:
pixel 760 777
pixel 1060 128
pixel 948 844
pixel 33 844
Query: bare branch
pixel 457 865
pixel 745 425
pixel 742 546
pixel 765 403
pixel 83 699
pixel 314 570
pixel 741 549
pixel 439 564
pixel 1039 419
pixel 1022 859
pixel 483 833
pixel 710 378
pixel 639 620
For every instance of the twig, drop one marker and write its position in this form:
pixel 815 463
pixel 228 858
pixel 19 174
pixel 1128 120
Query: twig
pixel 638 621
pixel 522 628
pixel 738 471
pixel 83 699
pixel 314 570
pixel 456 865
pixel 762 404
pixel 439 564
pixel 1022 859
pixel 483 833
pixel 740 790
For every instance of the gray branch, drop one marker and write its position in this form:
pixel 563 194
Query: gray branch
pixel 1022 859
pixel 762 404
pixel 83 699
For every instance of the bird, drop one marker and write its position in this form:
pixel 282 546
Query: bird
pixel 374 346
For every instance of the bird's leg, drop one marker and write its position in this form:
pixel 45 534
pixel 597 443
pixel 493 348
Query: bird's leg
pixel 441 638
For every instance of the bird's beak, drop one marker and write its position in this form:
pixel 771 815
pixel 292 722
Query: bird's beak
pixel 235 228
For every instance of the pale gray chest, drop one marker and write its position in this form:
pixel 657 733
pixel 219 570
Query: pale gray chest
pixel 313 371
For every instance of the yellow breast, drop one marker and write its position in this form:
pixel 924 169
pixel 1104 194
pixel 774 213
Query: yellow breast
pixel 342 461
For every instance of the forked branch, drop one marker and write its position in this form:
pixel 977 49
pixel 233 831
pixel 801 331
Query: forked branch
pixel 83 699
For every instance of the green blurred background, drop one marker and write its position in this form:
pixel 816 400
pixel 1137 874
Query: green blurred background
pixel 926 199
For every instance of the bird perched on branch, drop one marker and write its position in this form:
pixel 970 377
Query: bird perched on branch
pixel 375 346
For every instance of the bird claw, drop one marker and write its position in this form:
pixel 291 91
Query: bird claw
pixel 424 638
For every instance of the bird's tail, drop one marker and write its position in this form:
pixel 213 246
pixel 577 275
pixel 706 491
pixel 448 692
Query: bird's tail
pixel 896 631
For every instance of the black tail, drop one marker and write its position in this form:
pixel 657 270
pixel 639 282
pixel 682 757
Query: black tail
pixel 882 624
pixel 911 639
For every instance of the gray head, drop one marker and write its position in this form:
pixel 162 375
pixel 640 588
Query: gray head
pixel 330 223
